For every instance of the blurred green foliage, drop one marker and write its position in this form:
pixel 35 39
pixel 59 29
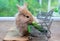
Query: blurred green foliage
pixel 54 3
pixel 33 6
pixel 44 5
pixel 8 7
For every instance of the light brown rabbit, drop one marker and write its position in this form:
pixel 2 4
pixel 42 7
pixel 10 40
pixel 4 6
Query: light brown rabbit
pixel 23 18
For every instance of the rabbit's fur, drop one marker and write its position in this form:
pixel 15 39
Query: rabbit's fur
pixel 23 18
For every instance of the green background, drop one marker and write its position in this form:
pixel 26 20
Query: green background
pixel 8 7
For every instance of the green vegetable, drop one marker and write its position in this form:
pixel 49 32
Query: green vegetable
pixel 29 28
pixel 56 9
pixel 37 26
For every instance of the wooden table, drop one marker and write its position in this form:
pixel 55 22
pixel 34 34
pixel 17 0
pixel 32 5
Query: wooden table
pixel 12 35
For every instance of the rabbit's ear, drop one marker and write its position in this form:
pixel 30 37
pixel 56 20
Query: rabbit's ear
pixel 19 7
pixel 25 5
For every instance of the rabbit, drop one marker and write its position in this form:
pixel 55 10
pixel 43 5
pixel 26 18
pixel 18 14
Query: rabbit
pixel 23 18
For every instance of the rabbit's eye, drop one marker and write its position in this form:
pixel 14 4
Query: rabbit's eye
pixel 27 16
